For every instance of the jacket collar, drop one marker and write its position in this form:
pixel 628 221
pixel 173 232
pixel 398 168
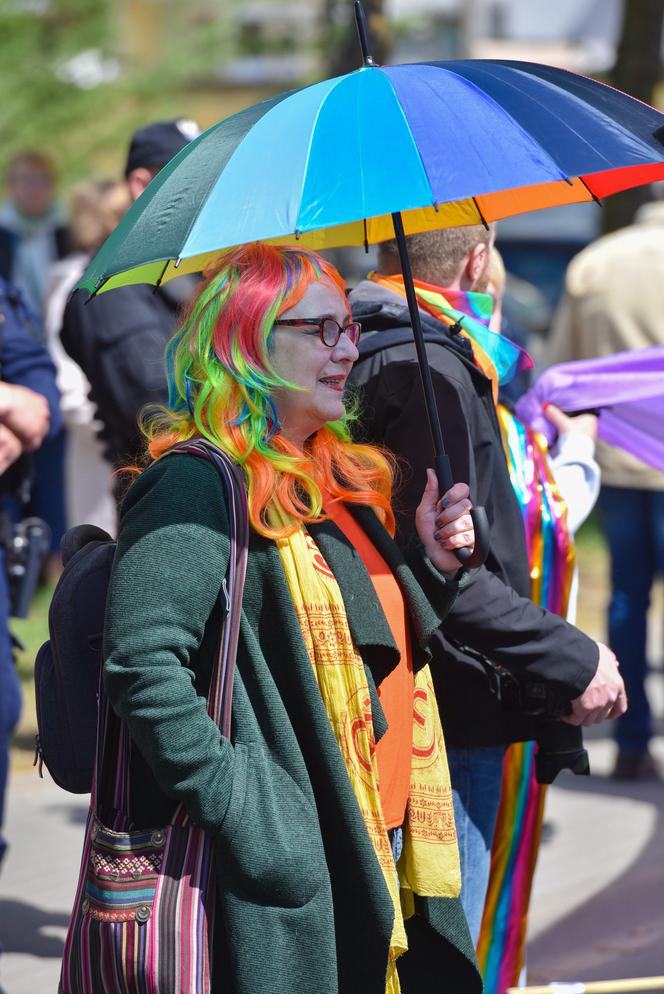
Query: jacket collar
pixel 379 309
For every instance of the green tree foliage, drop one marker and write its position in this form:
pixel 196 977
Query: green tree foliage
pixel 339 35
pixel 76 81
pixel 637 71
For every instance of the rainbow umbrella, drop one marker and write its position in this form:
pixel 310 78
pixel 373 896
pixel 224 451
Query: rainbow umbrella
pixel 443 144
pixel 381 152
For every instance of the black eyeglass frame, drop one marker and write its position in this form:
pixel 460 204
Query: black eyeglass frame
pixel 320 324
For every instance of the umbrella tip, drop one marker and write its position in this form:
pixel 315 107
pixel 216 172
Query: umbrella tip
pixel 363 34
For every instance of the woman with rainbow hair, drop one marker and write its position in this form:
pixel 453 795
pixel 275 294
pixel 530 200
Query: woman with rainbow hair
pixel 331 808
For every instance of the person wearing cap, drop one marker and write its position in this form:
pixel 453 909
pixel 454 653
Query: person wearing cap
pixel 118 338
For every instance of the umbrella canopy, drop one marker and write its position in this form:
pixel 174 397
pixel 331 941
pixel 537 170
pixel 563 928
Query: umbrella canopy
pixel 446 144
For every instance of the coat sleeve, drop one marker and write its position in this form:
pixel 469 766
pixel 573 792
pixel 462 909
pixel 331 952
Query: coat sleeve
pixel 25 362
pixel 173 551
pixel 577 475
pixel 487 615
pixel 513 632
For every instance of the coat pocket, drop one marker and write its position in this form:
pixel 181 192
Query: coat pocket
pixel 270 847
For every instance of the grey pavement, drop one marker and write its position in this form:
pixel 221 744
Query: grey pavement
pixel 598 909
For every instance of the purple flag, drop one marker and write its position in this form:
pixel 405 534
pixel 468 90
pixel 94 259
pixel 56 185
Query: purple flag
pixel 628 390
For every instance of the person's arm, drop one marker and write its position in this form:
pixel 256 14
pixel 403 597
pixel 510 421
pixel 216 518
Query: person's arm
pixel 512 631
pixel 26 366
pixel 173 551
pixel 575 471
pixel 577 475
pixel 487 615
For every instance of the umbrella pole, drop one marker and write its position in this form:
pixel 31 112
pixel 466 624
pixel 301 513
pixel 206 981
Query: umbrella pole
pixel 441 459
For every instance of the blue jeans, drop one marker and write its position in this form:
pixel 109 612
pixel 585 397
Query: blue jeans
pixel 10 692
pixel 633 522
pixel 476 776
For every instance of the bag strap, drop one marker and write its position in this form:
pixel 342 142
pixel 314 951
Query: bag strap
pixel 220 696
pixel 113 741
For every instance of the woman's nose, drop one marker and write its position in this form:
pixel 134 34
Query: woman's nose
pixel 345 349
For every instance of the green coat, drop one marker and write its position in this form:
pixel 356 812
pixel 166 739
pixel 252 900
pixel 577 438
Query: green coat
pixel 303 903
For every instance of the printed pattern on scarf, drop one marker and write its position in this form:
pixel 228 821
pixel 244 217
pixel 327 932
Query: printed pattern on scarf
pixel 429 864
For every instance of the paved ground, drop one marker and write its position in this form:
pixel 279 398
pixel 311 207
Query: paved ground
pixel 599 897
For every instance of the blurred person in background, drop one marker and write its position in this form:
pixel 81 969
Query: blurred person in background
pixel 96 209
pixel 493 622
pixel 33 232
pixel 556 490
pixel 29 413
pixel 118 338
pixel 572 459
pixel 613 301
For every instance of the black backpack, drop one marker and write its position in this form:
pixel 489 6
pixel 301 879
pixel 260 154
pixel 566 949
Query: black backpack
pixel 67 666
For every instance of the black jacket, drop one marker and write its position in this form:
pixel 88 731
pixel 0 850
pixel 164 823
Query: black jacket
pixel 118 340
pixel 493 615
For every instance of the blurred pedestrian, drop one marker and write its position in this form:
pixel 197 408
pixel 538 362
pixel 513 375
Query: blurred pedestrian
pixel 33 231
pixel 96 208
pixel 613 301
pixel 118 338
pixel 33 234
pixel 28 411
pixel 571 459
pixel 493 619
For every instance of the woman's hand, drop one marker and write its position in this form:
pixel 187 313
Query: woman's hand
pixel 585 424
pixel 444 525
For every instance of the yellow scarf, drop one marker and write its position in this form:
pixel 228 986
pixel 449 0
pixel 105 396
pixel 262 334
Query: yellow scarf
pixel 429 864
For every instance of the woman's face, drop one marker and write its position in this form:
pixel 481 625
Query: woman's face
pixel 299 355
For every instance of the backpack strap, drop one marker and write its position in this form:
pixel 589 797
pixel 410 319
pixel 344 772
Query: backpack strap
pixel 113 740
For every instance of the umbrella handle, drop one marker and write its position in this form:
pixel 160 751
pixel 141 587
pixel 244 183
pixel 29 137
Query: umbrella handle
pixel 469 559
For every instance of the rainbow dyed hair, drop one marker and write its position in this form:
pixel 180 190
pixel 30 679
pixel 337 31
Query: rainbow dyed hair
pixel 220 381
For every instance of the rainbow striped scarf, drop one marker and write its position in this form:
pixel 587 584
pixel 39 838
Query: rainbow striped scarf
pixel 501 947
pixel 470 313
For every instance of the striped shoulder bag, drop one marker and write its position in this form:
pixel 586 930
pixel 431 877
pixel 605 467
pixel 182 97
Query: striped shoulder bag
pixel 143 918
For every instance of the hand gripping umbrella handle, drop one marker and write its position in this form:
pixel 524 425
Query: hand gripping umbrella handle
pixel 469 558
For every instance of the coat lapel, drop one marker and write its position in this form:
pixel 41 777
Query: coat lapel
pixel 367 622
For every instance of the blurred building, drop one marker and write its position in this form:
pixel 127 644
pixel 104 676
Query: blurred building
pixel 278 40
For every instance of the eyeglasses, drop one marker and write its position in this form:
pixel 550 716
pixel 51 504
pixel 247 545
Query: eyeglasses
pixel 330 331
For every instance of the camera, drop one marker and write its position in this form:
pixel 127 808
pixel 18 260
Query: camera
pixel 25 545
pixel 559 745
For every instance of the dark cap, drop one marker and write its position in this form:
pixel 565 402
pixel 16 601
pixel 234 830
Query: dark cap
pixel 153 146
